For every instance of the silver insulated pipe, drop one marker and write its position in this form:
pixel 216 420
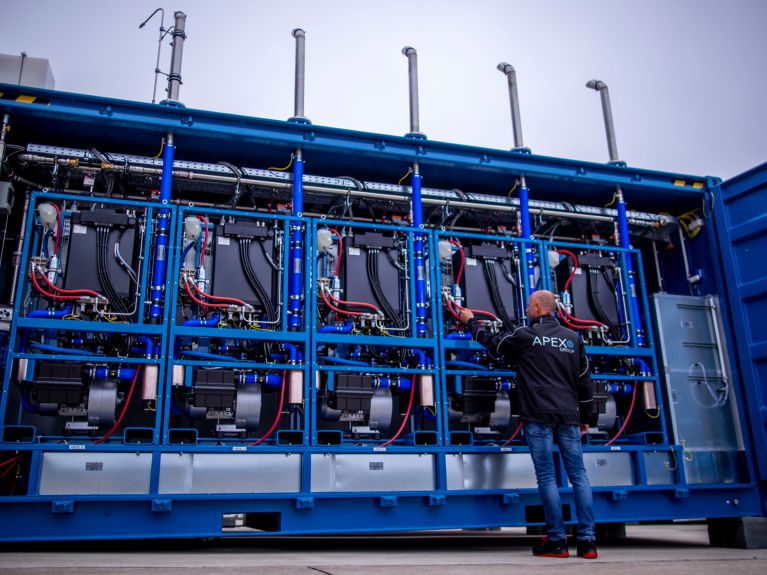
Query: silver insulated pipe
pixel 174 77
pixel 607 112
pixel 412 66
pixel 516 122
pixel 298 108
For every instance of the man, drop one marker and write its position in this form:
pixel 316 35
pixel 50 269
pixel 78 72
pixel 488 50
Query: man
pixel 555 400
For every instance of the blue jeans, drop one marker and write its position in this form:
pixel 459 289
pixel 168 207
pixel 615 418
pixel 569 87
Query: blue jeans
pixel 540 439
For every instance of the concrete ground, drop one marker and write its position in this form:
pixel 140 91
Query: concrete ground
pixel 678 549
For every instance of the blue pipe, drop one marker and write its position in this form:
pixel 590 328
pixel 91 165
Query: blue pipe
pixel 458 335
pixel 340 329
pixel 186 251
pixel 527 252
pixel 466 364
pixel 423 360
pixel 211 356
pixel 54 349
pixel 643 366
pixel 210 322
pixel 174 410
pixel 402 383
pixel 341 360
pixel 270 379
pixel 623 232
pixel 161 242
pixel 122 373
pixel 296 249
pixel 420 269
pixel 292 352
pixel 50 313
pixel 148 344
pixel 27 404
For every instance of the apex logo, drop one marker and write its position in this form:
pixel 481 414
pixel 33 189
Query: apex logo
pixel 562 343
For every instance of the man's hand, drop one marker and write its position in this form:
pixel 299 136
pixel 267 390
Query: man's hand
pixel 466 316
pixel 584 428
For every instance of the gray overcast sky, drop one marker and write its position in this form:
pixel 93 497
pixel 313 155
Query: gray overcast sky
pixel 687 78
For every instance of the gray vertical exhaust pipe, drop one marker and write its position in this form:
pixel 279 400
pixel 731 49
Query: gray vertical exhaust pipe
pixel 607 112
pixel 516 121
pixel 174 77
pixel 298 106
pixel 412 67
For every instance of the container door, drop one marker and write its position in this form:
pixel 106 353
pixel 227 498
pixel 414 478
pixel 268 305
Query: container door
pixel 740 216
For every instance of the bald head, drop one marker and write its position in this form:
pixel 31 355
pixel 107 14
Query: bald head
pixel 541 303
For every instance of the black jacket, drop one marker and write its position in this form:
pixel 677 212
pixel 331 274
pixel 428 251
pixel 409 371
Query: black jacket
pixel 552 370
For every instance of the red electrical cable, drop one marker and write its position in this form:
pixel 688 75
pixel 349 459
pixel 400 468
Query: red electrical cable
pixel 356 303
pixel 52 296
pixel 58 230
pixel 582 323
pixel 279 411
pixel 407 414
pixel 200 302
pixel 513 435
pixel 124 410
pixel 628 416
pixel 9 461
pixel 204 220
pixel 231 300
pixel 451 310
pixel 340 249
pixel 575 262
pixel 463 262
pixel 7 471
pixel 59 290
pixel 338 310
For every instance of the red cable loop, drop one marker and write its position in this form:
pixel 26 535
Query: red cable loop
pixel 628 416
pixel 202 303
pixel 357 303
pixel 514 435
pixel 279 411
pixel 340 249
pixel 575 261
pixel 231 300
pixel 204 220
pixel 52 296
pixel 407 414
pixel 338 309
pixel 119 420
pixel 57 289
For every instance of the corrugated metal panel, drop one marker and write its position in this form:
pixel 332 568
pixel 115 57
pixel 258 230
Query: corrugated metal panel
pixel 741 215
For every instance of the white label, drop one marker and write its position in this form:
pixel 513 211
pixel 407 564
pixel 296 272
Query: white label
pixel 615 448
pixel 354 251
pixel 504 449
pixel 239 448
pixel 76 447
pixel 578 271
pixel 79 229
pixel 379 449
pixel 471 261
pixel 223 241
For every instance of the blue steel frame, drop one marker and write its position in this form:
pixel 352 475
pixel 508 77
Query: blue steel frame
pixel 457 345
pixel 282 335
pixel 428 344
pixel 155 515
pixel 139 327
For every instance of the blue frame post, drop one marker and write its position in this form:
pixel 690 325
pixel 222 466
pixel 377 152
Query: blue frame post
pixel 163 226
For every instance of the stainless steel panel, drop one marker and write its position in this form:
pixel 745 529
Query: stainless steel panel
pixel 659 467
pixel 715 466
pixel 490 471
pixel 230 473
pixel 605 469
pixel 351 472
pixel 95 473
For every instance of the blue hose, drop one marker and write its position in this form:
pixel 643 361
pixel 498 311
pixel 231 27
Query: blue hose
pixel 458 335
pixel 211 322
pixel 466 364
pixel 340 329
pixel 292 352
pixel 341 360
pixel 423 360
pixel 148 343
pixel 50 313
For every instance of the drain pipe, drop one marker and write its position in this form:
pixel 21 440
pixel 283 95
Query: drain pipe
pixel 174 77
pixel 157 293
pixel 524 194
pixel 623 226
pixel 416 202
pixel 296 248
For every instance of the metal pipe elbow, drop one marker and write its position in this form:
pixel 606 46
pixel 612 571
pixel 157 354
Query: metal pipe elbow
pixel 506 68
pixel 596 85
pixel 408 51
pixel 298 33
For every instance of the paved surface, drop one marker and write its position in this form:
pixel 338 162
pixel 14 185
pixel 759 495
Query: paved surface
pixel 660 549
